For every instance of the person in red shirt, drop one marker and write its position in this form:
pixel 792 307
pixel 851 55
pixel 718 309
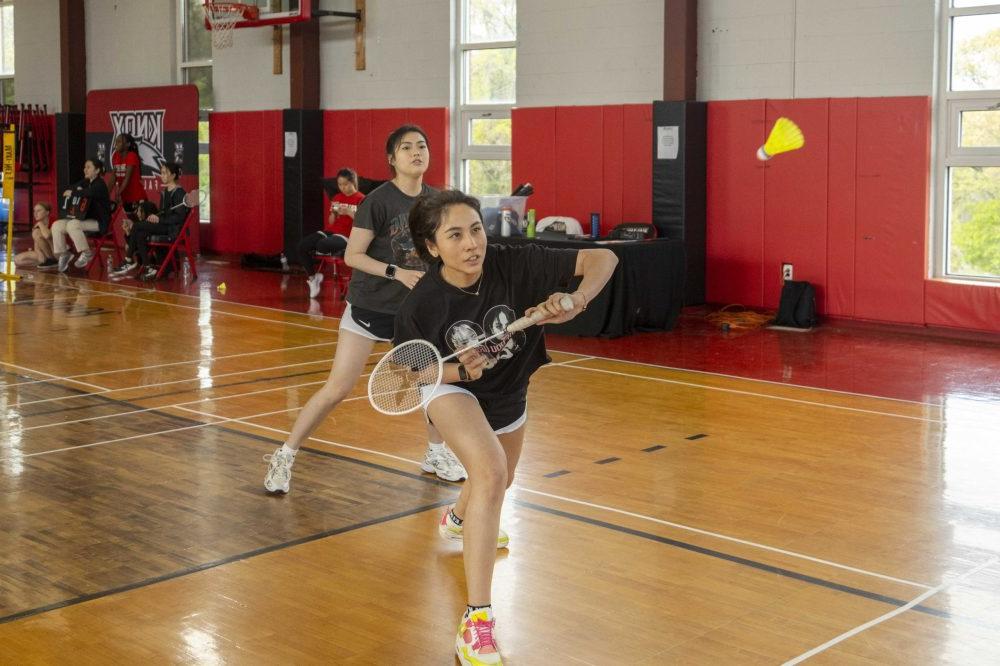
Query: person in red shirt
pixel 128 172
pixel 333 239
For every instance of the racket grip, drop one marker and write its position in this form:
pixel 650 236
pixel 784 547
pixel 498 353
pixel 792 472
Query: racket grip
pixel 566 303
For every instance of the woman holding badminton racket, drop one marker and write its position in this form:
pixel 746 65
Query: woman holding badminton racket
pixel 470 303
pixel 174 206
pixel 386 268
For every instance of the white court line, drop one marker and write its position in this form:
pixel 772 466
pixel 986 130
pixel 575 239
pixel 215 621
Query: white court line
pixel 164 365
pixel 317 439
pixel 758 395
pixel 891 614
pixel 245 421
pixel 21 367
pixel 176 381
pixel 717 535
pixel 935 405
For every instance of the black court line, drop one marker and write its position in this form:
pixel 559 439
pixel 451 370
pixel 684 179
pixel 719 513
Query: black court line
pixel 217 563
pixel 694 437
pixel 605 461
pixel 753 564
pixel 788 573
pixel 655 447
pixel 552 475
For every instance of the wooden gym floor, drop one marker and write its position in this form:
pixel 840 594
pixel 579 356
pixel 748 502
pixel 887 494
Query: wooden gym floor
pixel 659 515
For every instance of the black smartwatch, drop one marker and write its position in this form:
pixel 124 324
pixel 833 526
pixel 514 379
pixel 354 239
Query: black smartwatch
pixel 390 271
pixel 463 375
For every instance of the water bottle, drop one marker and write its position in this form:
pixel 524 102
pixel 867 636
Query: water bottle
pixel 109 264
pixel 531 223
pixel 185 271
pixel 595 225
pixel 506 217
pixel 284 262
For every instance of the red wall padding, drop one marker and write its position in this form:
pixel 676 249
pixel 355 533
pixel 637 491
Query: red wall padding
pixel 735 206
pixel 586 159
pixel 247 183
pixel 356 138
pixel 850 212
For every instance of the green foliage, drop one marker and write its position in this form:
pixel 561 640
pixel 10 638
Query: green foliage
pixel 491 21
pixel 491 132
pixel 977 62
pixel 489 177
pixel 491 75
pixel 975 244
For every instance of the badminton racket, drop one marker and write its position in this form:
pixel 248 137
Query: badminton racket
pixel 192 199
pixel 405 378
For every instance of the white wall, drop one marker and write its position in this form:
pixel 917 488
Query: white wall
pixel 37 78
pixel 408 54
pixel 242 76
pixel 749 49
pixel 130 43
pixel 575 52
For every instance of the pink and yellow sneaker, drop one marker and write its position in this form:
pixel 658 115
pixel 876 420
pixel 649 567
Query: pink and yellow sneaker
pixel 452 531
pixel 476 644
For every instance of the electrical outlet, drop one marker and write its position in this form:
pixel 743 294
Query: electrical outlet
pixel 786 271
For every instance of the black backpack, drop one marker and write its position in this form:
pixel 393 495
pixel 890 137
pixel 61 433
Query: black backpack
pixel 798 305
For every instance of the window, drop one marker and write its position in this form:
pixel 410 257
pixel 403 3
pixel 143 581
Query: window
pixel 967 239
pixel 195 48
pixel 486 67
pixel 6 53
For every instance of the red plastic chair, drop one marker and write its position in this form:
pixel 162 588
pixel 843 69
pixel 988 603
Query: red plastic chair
pixel 182 243
pixel 109 239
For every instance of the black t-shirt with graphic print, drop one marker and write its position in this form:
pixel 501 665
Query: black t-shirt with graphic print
pixel 386 213
pixel 514 279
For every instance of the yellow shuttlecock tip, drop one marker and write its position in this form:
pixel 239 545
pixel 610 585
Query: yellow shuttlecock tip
pixel 784 136
pixel 222 287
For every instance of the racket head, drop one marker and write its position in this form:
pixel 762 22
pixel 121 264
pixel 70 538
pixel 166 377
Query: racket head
pixel 404 378
pixel 195 198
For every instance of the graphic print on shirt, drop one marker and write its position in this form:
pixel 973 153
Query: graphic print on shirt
pixel 464 333
pixel 403 249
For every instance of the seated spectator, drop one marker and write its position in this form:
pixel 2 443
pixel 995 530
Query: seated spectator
pixel 333 239
pixel 165 222
pixel 141 213
pixel 88 208
pixel 41 254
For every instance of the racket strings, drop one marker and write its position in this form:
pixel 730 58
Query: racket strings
pixel 399 380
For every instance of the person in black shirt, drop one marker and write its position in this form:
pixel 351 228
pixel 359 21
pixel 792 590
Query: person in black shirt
pixel 471 291
pixel 88 208
pixel 385 270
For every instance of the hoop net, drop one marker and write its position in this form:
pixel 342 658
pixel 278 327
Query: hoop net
pixel 222 17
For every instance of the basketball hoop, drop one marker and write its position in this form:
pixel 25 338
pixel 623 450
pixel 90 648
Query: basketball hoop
pixel 222 18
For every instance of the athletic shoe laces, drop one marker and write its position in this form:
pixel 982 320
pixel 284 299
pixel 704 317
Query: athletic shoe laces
pixel 483 629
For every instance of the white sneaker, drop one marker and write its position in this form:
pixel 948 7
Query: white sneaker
pixel 64 260
pixel 279 472
pixel 125 268
pixel 452 531
pixel 314 284
pixel 443 463
pixel 84 259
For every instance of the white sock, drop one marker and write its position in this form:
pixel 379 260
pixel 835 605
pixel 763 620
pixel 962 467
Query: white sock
pixel 436 447
pixel 288 450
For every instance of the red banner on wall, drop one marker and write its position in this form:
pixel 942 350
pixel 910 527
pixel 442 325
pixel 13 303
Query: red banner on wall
pixel 164 122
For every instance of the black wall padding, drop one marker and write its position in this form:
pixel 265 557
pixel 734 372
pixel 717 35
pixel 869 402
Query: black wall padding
pixel 679 188
pixel 71 141
pixel 303 177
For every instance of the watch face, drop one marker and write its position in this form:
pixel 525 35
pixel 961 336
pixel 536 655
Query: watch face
pixel 390 271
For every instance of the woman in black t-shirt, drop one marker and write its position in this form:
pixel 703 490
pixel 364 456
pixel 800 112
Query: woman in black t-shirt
pixel 385 269
pixel 471 291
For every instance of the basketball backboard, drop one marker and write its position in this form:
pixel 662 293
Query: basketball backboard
pixel 276 12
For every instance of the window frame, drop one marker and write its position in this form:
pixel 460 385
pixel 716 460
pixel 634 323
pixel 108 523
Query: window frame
pixel 947 151
pixel 463 112
pixel 183 65
pixel 11 76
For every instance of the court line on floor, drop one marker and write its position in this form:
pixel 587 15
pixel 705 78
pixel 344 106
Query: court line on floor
pixel 164 365
pixel 800 401
pixel 197 308
pixel 175 381
pixel 751 379
pixel 51 377
pixel 724 537
pixel 888 616
pixel 674 542
pixel 223 561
